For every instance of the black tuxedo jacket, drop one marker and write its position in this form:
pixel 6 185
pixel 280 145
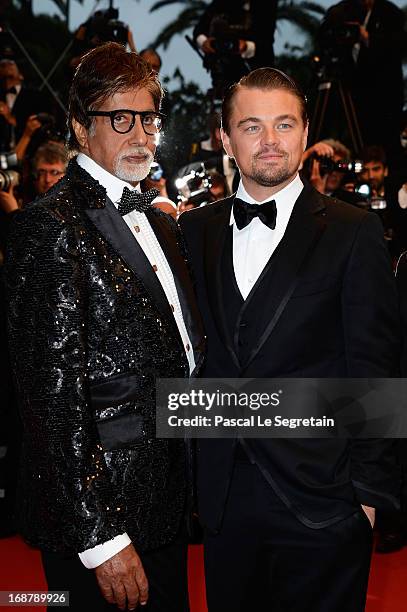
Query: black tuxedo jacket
pixel 324 306
pixel 90 330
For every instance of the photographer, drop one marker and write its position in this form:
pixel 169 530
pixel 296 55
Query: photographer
pixel 235 39
pixel 49 165
pixel 17 104
pixel 365 40
pixel 101 27
pixel 323 158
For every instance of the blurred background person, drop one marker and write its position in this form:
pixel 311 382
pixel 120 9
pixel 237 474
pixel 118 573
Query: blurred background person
pixel 152 58
pixel 367 39
pixel 235 38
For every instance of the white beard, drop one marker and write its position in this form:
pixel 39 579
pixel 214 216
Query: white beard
pixel 133 173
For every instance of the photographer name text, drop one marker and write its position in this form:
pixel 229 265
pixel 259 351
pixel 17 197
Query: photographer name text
pixel 254 420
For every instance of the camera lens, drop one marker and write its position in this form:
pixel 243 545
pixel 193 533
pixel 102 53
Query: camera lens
pixel 8 178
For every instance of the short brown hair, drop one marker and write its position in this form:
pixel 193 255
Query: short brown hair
pixel 263 78
pixel 50 153
pixel 102 72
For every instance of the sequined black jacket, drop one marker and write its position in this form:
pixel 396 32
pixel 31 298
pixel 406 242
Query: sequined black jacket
pixel 90 329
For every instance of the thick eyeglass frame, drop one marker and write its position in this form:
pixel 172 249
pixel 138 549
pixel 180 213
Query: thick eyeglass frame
pixel 143 115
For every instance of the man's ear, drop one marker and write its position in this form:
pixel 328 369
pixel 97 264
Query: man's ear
pixel 81 134
pixel 305 138
pixel 226 143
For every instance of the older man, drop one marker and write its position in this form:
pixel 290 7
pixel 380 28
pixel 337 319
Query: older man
pixel 97 284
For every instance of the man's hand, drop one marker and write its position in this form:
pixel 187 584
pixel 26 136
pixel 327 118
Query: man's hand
pixel 364 35
pixel 242 46
pixel 316 180
pixel 207 45
pixel 122 578
pixel 31 125
pixel 8 203
pixel 370 513
pixel 6 112
pixel 319 148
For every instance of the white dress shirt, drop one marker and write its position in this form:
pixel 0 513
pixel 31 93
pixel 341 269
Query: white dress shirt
pixel 11 97
pixel 254 244
pixel 145 236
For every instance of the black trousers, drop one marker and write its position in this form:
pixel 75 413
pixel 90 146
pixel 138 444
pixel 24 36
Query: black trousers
pixel 265 560
pixel 165 568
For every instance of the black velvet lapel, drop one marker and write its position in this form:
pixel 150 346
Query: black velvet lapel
pixel 113 227
pixel 215 244
pixel 191 315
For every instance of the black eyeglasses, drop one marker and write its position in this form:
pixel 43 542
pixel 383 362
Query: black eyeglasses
pixel 123 120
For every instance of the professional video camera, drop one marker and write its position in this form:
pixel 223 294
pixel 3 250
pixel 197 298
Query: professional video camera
pixel 194 187
pixel 225 65
pixel 359 192
pixel 8 176
pixel 328 165
pixel 48 129
pixel 104 26
pixel 226 36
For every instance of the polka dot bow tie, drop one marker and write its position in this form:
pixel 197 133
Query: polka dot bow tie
pixel 133 200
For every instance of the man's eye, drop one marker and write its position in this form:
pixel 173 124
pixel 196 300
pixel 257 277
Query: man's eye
pixel 284 126
pixel 121 118
pixel 252 128
pixel 149 119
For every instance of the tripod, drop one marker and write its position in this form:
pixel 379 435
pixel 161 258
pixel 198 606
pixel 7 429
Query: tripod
pixel 325 90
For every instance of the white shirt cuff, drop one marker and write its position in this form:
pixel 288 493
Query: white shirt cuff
pixel 250 50
pixel 200 40
pixel 92 557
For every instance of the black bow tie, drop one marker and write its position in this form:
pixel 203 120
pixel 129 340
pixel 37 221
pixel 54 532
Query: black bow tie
pixel 245 212
pixel 11 90
pixel 133 200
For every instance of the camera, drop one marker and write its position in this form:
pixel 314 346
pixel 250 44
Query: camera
pixel 226 37
pixel 156 172
pixel 8 176
pixel 347 34
pixel 194 187
pixel 328 165
pixel 336 44
pixel 105 26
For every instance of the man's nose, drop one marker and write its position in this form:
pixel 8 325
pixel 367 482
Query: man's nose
pixel 137 134
pixel 269 135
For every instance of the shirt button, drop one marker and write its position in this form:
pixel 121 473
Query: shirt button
pixel 155 268
pixel 188 347
pixel 136 229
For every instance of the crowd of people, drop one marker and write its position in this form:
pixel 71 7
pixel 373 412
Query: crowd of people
pixel 293 247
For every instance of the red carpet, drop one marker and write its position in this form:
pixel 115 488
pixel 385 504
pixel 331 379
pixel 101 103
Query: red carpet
pixel 21 569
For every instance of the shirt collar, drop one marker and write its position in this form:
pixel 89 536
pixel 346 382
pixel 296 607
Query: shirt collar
pixel 284 199
pixel 17 88
pixel 113 185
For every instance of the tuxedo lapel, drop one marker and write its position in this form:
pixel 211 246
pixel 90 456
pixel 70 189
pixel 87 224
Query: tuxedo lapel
pixel 115 230
pixel 167 238
pixel 283 271
pixel 215 245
